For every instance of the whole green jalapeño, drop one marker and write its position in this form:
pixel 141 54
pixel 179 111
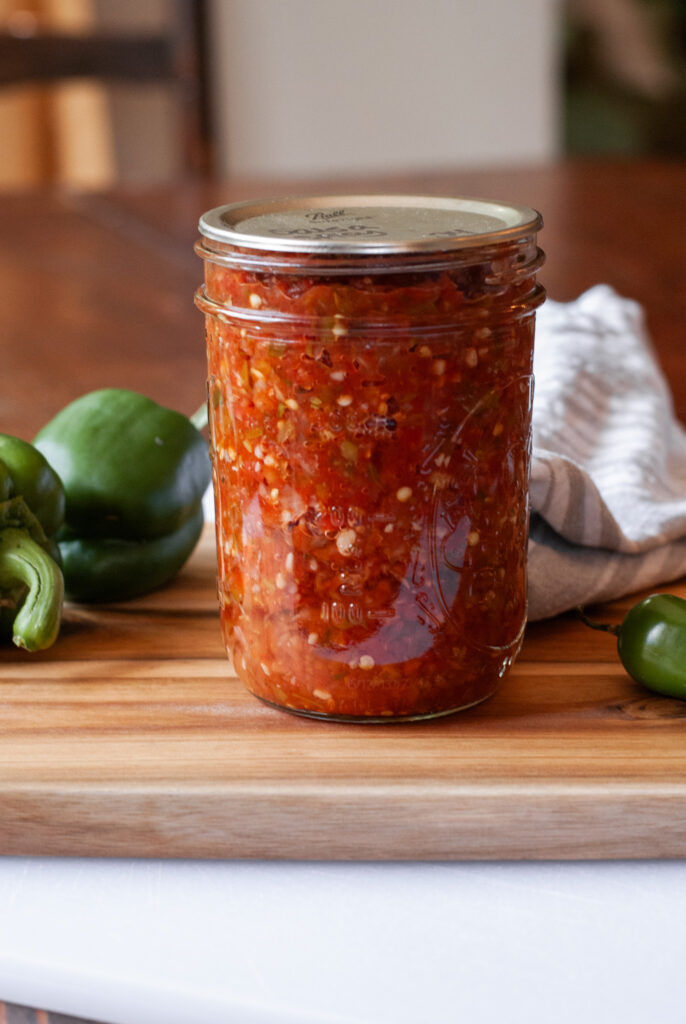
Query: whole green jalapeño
pixel 651 643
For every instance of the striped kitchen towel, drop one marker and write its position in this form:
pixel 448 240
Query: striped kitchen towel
pixel 608 483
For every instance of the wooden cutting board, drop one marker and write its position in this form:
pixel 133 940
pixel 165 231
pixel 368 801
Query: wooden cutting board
pixel 132 737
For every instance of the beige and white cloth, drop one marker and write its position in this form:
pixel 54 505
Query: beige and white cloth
pixel 608 482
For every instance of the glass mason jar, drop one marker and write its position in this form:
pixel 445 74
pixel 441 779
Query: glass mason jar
pixel 370 390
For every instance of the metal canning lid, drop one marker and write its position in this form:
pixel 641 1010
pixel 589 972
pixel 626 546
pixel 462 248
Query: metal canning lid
pixel 368 224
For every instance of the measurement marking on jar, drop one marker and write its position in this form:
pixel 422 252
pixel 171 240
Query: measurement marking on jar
pixel 350 613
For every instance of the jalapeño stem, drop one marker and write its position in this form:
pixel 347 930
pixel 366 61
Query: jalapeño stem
pixel 22 561
pixel 606 627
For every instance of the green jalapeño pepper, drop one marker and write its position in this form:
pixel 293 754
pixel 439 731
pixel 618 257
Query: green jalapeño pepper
pixel 134 474
pixel 651 643
pixel 31 512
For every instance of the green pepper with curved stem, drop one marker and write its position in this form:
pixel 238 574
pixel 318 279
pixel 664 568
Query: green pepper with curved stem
pixel 134 474
pixel 31 511
pixel 651 643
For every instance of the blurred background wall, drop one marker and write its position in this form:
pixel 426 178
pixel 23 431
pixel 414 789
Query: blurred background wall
pixel 316 86
pixel 295 88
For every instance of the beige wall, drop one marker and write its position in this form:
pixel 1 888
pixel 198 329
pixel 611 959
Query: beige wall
pixel 323 86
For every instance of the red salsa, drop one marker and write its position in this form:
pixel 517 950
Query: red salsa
pixel 370 431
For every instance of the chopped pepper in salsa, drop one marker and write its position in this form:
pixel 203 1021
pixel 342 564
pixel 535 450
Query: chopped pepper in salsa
pixel 370 437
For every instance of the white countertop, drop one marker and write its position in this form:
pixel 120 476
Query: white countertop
pixel 179 942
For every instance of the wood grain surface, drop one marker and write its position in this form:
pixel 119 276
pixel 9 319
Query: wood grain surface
pixel 132 737
pixel 13 1013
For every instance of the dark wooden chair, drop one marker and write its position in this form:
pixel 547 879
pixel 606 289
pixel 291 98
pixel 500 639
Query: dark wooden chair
pixel 175 56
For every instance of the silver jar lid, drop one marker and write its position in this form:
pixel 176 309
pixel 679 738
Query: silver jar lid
pixel 367 224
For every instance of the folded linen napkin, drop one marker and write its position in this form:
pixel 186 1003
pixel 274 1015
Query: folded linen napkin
pixel 608 483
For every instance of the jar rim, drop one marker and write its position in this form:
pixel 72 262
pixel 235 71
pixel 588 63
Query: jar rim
pixel 367 225
pixel 525 306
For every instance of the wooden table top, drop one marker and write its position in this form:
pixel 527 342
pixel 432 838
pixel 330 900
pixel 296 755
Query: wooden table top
pixel 96 290
pixel 130 737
